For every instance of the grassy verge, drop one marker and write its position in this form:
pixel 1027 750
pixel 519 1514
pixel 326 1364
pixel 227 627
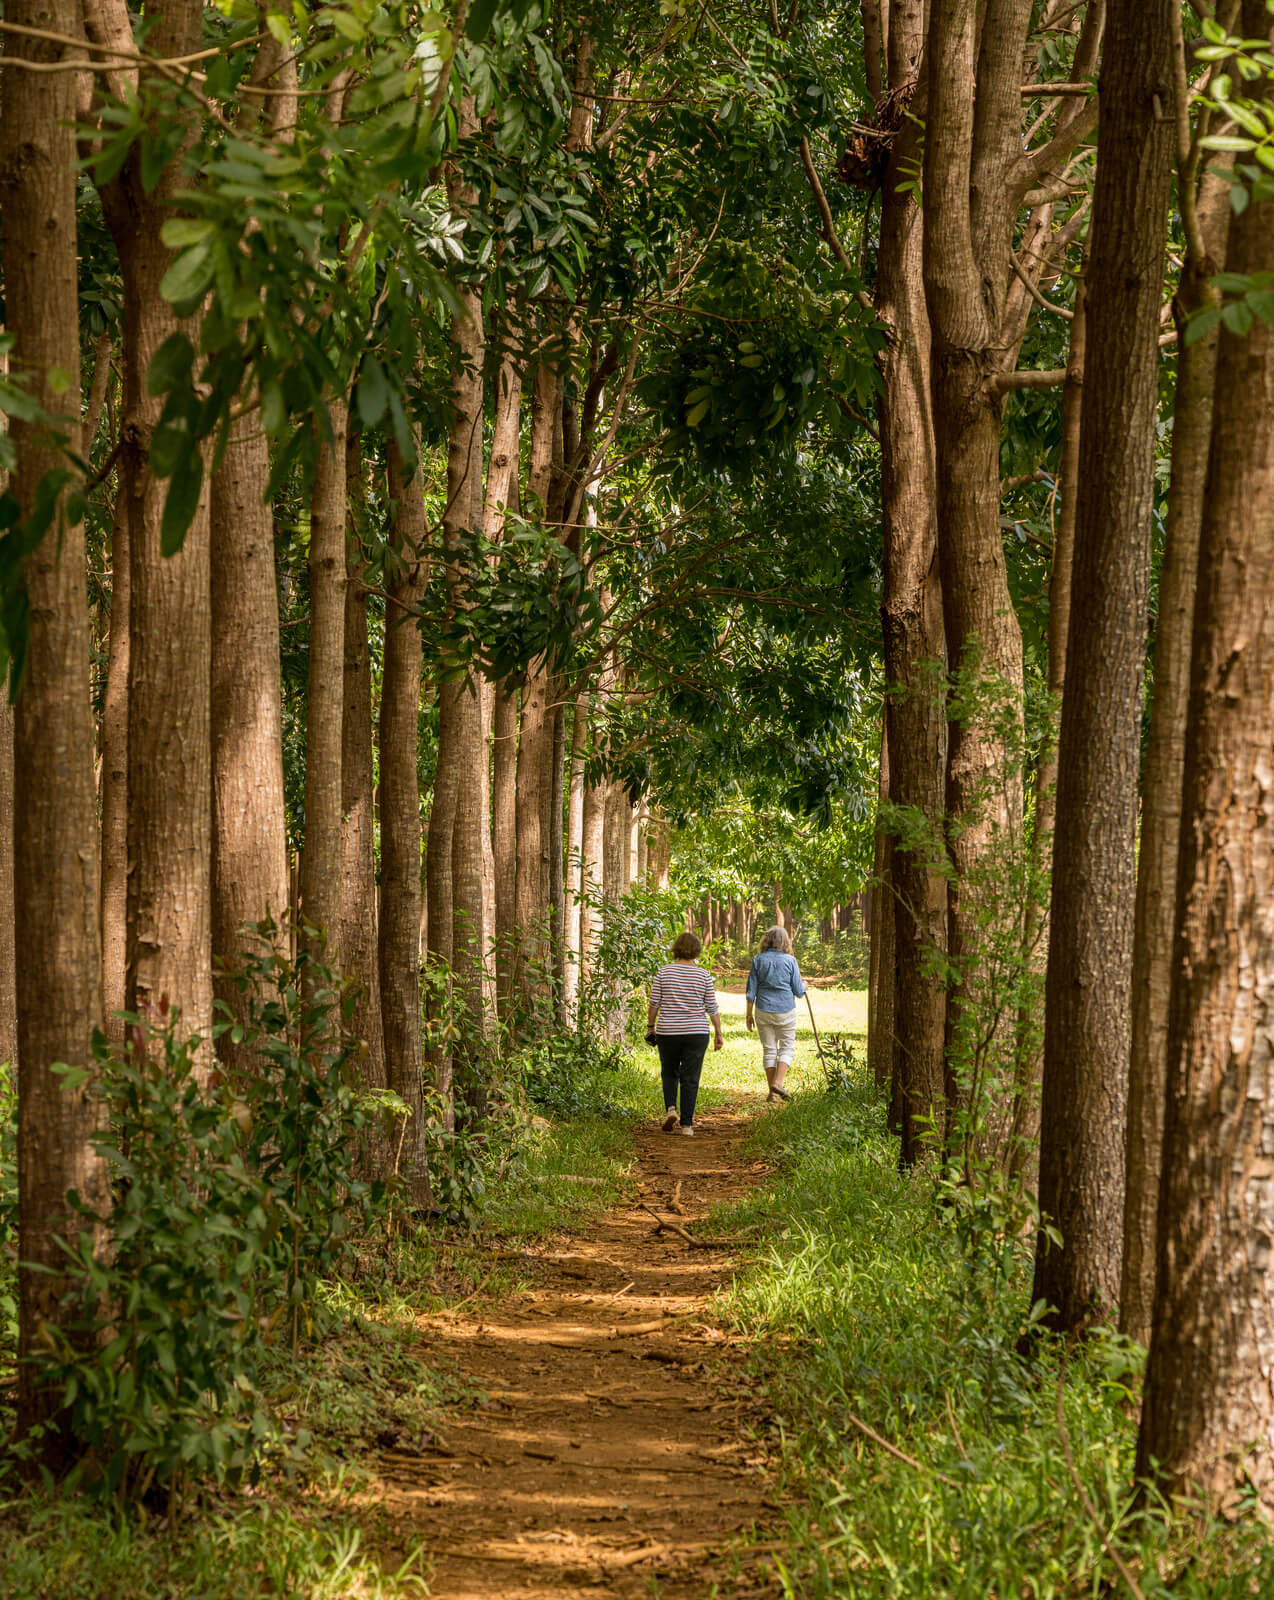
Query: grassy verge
pixel 867 1317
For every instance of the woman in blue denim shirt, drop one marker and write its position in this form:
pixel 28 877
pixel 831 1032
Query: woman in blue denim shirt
pixel 774 987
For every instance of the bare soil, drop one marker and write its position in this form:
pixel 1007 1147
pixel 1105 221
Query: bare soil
pixel 618 1450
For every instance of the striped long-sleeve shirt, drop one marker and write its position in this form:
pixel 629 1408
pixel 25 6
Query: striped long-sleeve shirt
pixel 685 998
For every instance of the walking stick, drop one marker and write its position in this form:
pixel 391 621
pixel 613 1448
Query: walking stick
pixel 818 1043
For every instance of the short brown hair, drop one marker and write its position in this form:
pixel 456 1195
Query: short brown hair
pixel 688 946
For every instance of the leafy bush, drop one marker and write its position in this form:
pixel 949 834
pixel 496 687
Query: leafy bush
pixel 232 1194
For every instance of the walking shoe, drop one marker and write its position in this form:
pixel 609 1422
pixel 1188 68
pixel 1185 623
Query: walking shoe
pixel 670 1119
pixel 689 1132
pixel 781 1093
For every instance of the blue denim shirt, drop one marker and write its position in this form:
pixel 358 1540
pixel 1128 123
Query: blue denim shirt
pixel 774 983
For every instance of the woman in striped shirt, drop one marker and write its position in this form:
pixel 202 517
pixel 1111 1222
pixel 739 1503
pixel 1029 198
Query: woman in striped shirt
pixel 682 998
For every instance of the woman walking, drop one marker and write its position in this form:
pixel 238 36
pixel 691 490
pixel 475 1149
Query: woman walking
pixel 774 987
pixel 682 999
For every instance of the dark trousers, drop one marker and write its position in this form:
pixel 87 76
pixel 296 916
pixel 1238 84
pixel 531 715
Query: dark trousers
pixel 681 1060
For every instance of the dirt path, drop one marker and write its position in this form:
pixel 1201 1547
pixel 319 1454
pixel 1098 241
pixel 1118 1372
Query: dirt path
pixel 614 1446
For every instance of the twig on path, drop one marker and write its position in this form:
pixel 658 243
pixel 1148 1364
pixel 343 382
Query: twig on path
pixel 675 1227
pixel 901 1455
pixel 1090 1510
pixel 450 1311
pixel 620 1293
pixel 675 1203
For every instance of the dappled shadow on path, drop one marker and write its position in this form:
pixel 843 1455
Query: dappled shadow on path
pixel 615 1452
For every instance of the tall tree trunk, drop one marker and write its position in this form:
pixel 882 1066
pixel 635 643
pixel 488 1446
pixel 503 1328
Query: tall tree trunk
pixel 1164 769
pixel 321 861
pixel 1023 1155
pixel 975 177
pixel 504 766
pixel 914 644
pixel 573 943
pixel 592 871
pixel 249 823
pixel 8 923
pixel 557 852
pixel 1088 1016
pixel 533 801
pixel 1207 1424
pixel 169 693
pixel 58 979
pixel 399 927
pixel 359 941
pixel 881 985
pixel 114 787
pixel 454 840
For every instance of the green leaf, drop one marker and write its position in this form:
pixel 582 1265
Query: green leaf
pixel 1237 318
pixel 697 413
pixel 171 365
pixel 478 23
pixel 189 275
pixel 179 233
pixel 182 502
pixel 372 394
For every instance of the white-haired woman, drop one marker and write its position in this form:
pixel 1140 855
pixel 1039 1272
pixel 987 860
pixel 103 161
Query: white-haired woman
pixel 774 987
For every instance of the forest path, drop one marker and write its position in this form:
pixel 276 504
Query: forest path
pixel 614 1446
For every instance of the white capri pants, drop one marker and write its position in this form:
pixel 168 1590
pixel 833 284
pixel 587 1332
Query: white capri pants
pixel 777 1032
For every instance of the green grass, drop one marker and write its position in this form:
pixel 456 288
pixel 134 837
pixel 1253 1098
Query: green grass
pixel 863 1305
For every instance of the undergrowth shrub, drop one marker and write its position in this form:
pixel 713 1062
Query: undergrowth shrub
pixel 879 1312
pixel 232 1196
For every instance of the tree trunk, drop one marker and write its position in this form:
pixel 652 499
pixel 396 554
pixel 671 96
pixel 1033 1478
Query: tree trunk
pixel 914 644
pixel 1207 1425
pixel 321 861
pixel 1164 769
pixel 557 852
pixel 249 824
pixel 58 979
pixel 8 924
pixel 114 788
pixel 533 801
pixel 1029 1069
pixel 504 830
pixel 169 692
pixel 399 929
pixel 455 911
pixel 359 943
pixel 591 875
pixel 1088 1018
pixel 572 946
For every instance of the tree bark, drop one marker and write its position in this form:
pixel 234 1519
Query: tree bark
pixel 1164 771
pixel 114 786
pixel 504 835
pixel 249 823
pixel 8 922
pixel 359 939
pixel 1207 1425
pixel 573 942
pixel 592 873
pixel 914 643
pixel 533 799
pixel 399 926
pixel 881 982
pixel 1088 1017
pixel 58 978
pixel 169 691
pixel 321 861
pixel 557 852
